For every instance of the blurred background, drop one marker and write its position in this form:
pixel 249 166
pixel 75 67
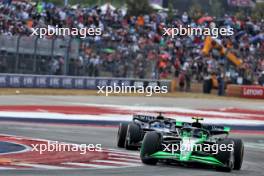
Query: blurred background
pixel 132 44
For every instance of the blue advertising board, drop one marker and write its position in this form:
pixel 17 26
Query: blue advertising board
pixel 71 82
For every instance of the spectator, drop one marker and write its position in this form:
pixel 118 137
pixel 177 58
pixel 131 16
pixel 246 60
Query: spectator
pixel 261 79
pixel 127 37
pixel 182 81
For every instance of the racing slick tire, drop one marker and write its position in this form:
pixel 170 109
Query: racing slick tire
pixel 121 134
pixel 226 156
pixel 133 136
pixel 151 144
pixel 239 153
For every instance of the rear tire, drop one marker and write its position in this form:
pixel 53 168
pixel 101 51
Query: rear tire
pixel 150 145
pixel 227 156
pixel 121 135
pixel 133 136
pixel 239 153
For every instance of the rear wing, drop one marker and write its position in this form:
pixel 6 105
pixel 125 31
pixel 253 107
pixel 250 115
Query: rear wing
pixel 143 118
pixel 147 118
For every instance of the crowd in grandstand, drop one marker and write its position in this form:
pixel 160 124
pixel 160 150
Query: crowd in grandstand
pixel 135 45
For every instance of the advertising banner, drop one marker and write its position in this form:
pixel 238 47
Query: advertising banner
pixel 71 82
pixel 253 92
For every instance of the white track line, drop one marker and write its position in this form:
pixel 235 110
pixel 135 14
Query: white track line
pixel 125 159
pixel 117 162
pixel 40 166
pixel 255 145
pixel 7 168
pixel 165 109
pixel 90 165
pixel 128 153
pixel 123 155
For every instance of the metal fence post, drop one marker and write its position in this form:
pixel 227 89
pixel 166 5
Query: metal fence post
pixel 35 55
pixel 66 57
pixel 52 48
pixel 17 54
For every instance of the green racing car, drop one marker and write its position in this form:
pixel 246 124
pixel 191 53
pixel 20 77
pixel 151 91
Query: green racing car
pixel 196 143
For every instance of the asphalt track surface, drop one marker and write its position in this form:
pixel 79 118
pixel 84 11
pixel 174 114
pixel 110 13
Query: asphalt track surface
pixel 253 159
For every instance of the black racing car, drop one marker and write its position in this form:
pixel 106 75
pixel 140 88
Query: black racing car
pixel 130 135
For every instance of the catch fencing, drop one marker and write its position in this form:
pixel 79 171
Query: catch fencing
pixel 72 56
pixel 30 54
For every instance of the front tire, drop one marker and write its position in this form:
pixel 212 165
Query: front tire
pixel 226 156
pixel 150 145
pixel 239 153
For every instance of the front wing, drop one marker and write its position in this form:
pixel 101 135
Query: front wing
pixel 210 160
